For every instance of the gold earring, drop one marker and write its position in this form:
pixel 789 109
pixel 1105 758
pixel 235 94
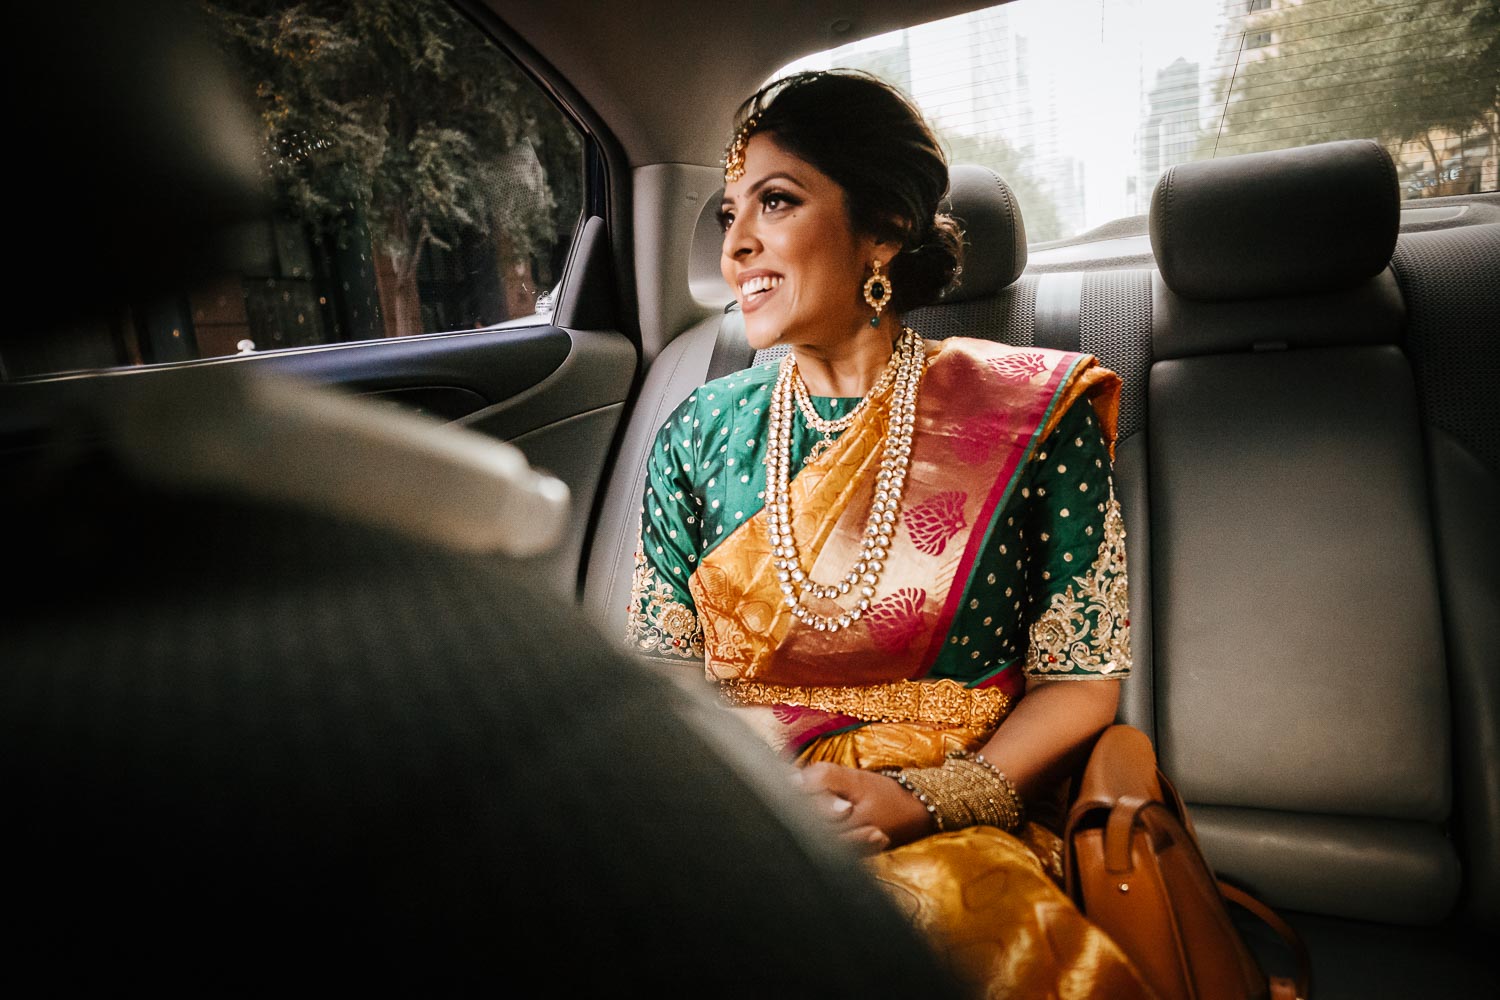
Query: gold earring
pixel 877 292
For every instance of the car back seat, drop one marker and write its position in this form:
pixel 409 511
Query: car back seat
pixel 1308 533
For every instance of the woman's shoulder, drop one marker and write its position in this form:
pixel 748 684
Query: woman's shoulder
pixel 745 385
pixel 1063 381
pixel 1010 361
pixel 721 399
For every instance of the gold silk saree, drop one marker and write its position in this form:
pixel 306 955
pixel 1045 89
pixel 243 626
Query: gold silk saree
pixel 1007 562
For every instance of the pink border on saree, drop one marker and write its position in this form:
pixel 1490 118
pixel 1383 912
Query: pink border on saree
pixel 1004 483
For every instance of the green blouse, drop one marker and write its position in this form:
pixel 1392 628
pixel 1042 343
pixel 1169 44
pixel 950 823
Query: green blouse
pixel 1047 594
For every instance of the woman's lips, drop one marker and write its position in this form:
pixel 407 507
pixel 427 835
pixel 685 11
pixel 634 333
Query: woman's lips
pixel 754 300
pixel 757 286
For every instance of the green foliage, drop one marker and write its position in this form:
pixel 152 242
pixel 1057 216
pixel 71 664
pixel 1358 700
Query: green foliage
pixel 403 114
pixel 893 65
pixel 1038 208
pixel 1391 70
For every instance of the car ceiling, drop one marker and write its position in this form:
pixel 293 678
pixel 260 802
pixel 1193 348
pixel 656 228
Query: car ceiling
pixel 668 74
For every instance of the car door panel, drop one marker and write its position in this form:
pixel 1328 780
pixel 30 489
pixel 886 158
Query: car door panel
pixel 557 395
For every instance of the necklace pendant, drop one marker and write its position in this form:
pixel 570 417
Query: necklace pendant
pixel 820 446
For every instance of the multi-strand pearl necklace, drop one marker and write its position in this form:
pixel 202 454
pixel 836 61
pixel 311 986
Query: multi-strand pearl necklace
pixel 907 364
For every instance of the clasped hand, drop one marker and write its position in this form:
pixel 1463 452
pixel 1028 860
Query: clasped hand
pixel 867 810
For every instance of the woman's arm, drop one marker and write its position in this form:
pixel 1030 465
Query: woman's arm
pixel 1050 731
pixel 1042 741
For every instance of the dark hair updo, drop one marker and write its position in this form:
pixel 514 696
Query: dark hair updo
pixel 873 143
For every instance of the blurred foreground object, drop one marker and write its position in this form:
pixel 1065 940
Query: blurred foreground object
pixel 274 716
pixel 284 441
pixel 247 747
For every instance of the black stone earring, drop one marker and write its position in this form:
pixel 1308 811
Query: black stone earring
pixel 877 292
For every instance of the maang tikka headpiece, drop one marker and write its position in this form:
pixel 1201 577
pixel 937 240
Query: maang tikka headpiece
pixel 734 156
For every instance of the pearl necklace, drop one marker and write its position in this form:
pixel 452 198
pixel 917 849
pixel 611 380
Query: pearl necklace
pixel 832 427
pixel 908 361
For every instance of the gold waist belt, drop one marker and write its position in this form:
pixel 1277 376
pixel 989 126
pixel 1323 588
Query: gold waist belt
pixel 935 703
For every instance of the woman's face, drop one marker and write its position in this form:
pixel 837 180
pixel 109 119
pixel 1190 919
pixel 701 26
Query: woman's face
pixel 795 264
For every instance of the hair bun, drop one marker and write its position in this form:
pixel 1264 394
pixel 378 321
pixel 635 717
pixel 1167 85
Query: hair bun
pixel 929 266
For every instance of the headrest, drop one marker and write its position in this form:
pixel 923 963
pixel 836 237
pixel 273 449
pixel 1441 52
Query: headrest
pixel 1288 222
pixel 994 235
pixel 183 148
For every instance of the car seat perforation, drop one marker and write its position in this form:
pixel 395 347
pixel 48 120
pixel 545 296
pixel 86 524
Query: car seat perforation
pixel 1447 279
pixel 1115 326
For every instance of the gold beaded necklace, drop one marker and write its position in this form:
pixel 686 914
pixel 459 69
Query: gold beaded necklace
pixel 908 361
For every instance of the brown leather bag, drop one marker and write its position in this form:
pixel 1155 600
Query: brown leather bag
pixel 1133 866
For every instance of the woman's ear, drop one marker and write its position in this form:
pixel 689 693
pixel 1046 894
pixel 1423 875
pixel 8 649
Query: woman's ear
pixel 872 248
pixel 897 231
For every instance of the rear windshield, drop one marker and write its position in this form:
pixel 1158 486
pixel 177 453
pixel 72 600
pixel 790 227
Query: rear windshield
pixel 1082 104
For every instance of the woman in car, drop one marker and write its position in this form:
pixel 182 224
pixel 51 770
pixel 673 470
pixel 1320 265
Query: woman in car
pixel 893 555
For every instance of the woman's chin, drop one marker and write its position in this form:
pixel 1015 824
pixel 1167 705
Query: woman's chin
pixel 760 335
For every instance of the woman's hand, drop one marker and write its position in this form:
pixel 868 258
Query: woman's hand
pixel 869 811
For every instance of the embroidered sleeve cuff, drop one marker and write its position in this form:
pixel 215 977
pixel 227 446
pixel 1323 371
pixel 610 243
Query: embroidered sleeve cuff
pixel 657 623
pixel 1084 633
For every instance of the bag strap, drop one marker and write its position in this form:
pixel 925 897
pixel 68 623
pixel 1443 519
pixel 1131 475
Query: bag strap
pixel 1170 795
pixel 1282 988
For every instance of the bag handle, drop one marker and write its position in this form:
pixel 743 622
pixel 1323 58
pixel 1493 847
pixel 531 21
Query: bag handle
pixel 1282 988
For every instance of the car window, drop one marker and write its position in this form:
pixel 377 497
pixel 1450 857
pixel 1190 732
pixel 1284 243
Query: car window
pixel 1082 104
pixel 422 183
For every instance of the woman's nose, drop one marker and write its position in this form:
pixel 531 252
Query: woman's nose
pixel 739 239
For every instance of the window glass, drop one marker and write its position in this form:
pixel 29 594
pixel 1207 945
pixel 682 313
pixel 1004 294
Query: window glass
pixel 422 183
pixel 1082 104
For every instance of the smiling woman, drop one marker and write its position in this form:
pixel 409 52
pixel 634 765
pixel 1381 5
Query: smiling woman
pixel 791 254
pixel 884 552
pixel 840 222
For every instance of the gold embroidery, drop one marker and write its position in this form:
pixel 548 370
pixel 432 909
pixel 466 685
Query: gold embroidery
pixel 1063 644
pixel 937 703
pixel 656 622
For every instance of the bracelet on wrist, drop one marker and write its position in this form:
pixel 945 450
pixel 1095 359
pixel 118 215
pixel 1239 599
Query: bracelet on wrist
pixel 966 790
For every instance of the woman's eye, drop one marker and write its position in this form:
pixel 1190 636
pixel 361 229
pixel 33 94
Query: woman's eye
pixel 775 200
pixel 726 219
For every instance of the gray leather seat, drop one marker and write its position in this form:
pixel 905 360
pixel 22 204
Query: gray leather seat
pixel 1304 668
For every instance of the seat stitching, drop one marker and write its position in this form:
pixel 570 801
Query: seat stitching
pixel 1170 191
pixel 1010 216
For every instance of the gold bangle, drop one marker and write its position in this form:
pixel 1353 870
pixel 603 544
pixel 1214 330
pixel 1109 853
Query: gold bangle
pixel 1008 811
pixel 966 790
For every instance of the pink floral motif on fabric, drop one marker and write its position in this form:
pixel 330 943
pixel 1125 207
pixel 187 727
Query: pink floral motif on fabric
pixel 975 440
pixel 896 620
pixel 935 520
pixel 1018 367
pixel 786 714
